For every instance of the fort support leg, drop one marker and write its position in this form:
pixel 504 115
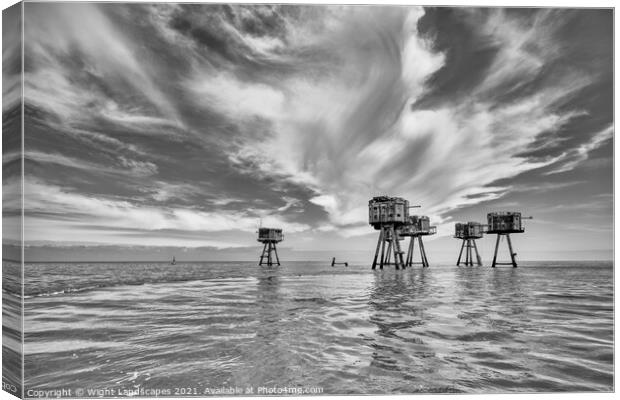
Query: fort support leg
pixel 410 252
pixel 460 253
pixel 388 254
pixel 512 253
pixel 467 254
pixel 395 250
pixel 412 244
pixel 398 253
pixel 269 262
pixel 422 252
pixel 382 247
pixel 478 258
pixel 392 247
pixel 262 255
pixel 276 253
pixel 495 255
pixel 374 261
pixel 398 257
pixel 407 256
pixel 420 249
pixel 271 255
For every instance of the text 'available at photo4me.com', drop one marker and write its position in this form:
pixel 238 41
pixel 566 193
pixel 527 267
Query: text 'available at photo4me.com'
pixel 173 391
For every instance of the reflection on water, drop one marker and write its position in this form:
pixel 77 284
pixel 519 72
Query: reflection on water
pixel 401 355
pixel 443 329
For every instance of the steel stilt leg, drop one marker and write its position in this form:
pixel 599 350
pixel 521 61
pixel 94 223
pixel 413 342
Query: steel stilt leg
pixel 478 258
pixel 275 250
pixel 382 247
pixel 467 254
pixel 262 255
pixel 269 262
pixel 395 249
pixel 495 255
pixel 398 254
pixel 422 252
pixel 374 261
pixel 460 253
pixel 410 252
pixel 512 253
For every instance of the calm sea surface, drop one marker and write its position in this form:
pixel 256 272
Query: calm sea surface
pixel 540 327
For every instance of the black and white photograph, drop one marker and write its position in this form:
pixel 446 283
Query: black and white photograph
pixel 209 199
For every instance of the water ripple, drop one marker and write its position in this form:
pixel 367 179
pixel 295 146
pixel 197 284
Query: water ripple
pixel 442 329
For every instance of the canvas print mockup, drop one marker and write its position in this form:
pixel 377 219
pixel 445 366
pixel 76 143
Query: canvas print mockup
pixel 206 199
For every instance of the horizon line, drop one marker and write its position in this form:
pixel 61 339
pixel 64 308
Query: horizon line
pixel 246 261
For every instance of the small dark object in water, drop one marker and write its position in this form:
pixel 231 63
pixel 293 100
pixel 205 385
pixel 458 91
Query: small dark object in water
pixel 334 263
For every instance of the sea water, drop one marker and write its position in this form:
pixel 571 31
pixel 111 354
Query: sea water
pixel 198 328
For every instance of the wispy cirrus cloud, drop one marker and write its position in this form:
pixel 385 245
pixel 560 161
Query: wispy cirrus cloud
pixel 61 30
pixel 574 157
pixel 51 207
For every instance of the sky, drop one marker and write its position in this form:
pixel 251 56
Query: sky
pixel 187 126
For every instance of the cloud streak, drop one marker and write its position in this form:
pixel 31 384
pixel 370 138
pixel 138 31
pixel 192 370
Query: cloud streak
pixel 574 157
pixel 50 207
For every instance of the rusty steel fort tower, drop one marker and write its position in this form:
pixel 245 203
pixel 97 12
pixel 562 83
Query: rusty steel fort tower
pixel 468 233
pixel 269 237
pixel 387 215
pixel 390 216
pixel 417 227
pixel 503 224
